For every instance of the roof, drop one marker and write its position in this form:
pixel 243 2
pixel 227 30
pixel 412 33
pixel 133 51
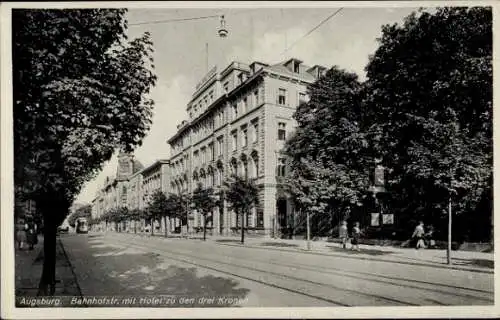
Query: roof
pixel 138 166
pixel 155 164
pixel 302 75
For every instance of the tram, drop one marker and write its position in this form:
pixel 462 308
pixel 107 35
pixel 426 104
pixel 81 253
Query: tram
pixel 82 225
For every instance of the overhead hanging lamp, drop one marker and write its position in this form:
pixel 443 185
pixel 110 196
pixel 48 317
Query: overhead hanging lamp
pixel 222 29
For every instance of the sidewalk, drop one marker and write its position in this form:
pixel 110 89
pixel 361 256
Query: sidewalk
pixel 28 270
pixel 462 260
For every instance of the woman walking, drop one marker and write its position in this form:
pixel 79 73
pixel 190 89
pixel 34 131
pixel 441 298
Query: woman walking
pixel 356 234
pixel 20 233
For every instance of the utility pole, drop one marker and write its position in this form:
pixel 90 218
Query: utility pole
pixel 206 56
pixel 308 231
pixel 448 251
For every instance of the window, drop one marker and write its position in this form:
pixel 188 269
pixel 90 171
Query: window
pixel 203 155
pixel 244 138
pixel 255 132
pixel 221 118
pixel 212 152
pixel 220 146
pixel 281 167
pixel 245 169
pixel 211 96
pixel 245 105
pixel 226 86
pixel 234 137
pixel 282 97
pixel 281 131
pixel 256 97
pixel 241 78
pixel 235 110
pixel 302 98
pixel 296 67
pixel 260 218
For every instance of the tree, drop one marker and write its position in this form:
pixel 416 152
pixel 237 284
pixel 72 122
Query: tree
pixel 204 201
pixel 80 91
pixel 242 195
pixel 429 105
pixel 328 155
pixel 158 207
pixel 135 215
pixel 174 207
pixel 82 212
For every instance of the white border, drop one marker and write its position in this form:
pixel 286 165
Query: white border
pixel 7 262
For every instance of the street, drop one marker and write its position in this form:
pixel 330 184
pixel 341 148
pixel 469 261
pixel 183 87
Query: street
pixel 132 265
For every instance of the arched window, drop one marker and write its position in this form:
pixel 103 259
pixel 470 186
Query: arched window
pixel 255 164
pixel 234 168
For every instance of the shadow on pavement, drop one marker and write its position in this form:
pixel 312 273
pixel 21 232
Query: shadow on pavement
pixel 279 244
pixel 140 274
pixel 228 241
pixel 371 252
pixel 485 263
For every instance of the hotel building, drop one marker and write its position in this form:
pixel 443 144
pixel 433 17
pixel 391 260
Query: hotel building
pixel 239 120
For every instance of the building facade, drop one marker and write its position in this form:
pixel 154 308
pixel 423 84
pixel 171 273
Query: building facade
pixel 115 191
pixel 239 120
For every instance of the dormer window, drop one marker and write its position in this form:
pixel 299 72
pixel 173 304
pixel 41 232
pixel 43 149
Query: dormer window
pixel 296 67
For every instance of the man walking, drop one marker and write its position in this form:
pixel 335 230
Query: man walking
pixel 418 235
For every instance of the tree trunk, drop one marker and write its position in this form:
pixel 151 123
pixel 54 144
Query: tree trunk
pixel 47 281
pixel 205 227
pixel 242 226
pixel 152 226
pixel 54 211
pixel 166 226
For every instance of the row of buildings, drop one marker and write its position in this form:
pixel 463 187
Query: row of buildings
pixel 239 120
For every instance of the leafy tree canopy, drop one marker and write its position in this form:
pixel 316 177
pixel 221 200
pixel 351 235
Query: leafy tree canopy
pixel 430 107
pixel 328 154
pixel 80 91
pixel 242 194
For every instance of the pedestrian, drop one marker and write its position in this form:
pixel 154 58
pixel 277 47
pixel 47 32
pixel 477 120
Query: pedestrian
pixel 20 233
pixel 356 234
pixel 418 235
pixel 430 237
pixel 30 233
pixel 343 234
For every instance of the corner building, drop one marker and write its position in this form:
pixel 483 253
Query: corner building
pixel 239 120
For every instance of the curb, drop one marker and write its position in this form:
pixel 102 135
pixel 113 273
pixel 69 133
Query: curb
pixel 302 250
pixel 73 273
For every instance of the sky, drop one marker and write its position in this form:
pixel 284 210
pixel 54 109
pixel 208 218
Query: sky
pixel 260 34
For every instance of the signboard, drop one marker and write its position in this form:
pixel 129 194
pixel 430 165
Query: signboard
pixel 375 219
pixel 388 218
pixel 379 176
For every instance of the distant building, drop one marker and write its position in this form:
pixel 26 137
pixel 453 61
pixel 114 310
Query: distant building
pixel 114 193
pixel 239 120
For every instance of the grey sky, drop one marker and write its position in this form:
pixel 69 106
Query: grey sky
pixel 346 40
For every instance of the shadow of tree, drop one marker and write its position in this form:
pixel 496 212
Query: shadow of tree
pixel 136 273
pixel 279 244
pixel 485 263
pixel 371 252
pixel 228 241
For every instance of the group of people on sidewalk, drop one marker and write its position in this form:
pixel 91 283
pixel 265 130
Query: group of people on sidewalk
pixel 420 238
pixel 355 235
pixel 26 233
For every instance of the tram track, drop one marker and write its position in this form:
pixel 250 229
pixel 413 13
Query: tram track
pixel 486 297
pixel 304 287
